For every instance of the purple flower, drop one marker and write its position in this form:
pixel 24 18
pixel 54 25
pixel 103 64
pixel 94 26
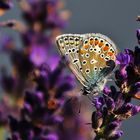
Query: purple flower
pixel 138 35
pixel 128 75
pixel 38 55
pixel 7 43
pixel 38 81
pixel 115 105
pixel 46 14
pixel 122 59
pixel 137 58
pixel 111 110
pixel 116 135
pixel 51 137
pixel 98 102
pixel 5 5
pixel 41 115
pixel 135 110
pixel 54 60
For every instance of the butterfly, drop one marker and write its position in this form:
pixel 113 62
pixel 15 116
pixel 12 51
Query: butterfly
pixel 91 57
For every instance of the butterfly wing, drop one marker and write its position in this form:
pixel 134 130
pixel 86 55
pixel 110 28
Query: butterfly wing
pixel 68 45
pixel 95 53
pixel 91 56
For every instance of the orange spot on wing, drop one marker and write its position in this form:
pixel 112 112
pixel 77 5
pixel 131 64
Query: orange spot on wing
pixel 101 59
pixel 96 42
pixel 110 53
pixel 86 46
pixel 101 44
pixel 82 51
pixel 106 48
pixel 91 42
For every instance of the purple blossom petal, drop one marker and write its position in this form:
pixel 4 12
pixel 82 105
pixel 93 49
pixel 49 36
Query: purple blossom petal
pixel 116 135
pixel 38 55
pixel 135 110
pixel 53 61
pixel 112 127
pixel 138 35
pixel 122 59
pixel 98 102
pixel 110 104
pixel 106 90
pixel 52 137
pixel 124 109
pixel 6 4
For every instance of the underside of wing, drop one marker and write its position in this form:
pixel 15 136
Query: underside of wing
pixel 95 53
pixel 68 45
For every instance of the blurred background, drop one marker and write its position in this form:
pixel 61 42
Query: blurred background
pixel 116 19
